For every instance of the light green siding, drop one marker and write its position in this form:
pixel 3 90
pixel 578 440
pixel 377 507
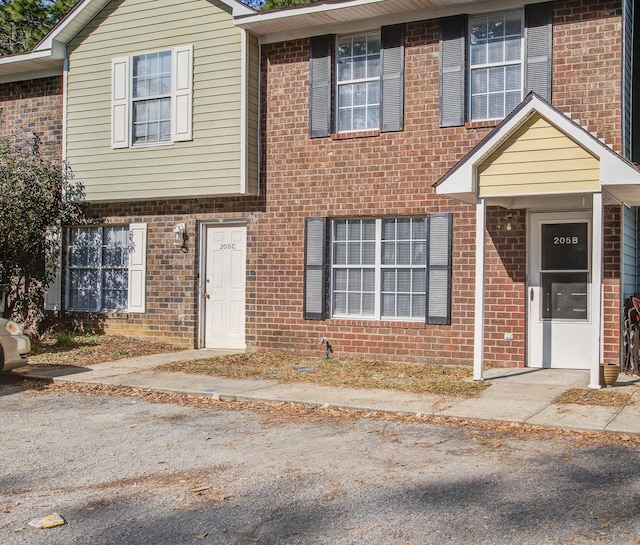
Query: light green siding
pixel 210 164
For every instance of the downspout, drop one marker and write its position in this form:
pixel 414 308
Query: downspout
pixel 63 298
pixel 244 108
pixel 65 95
pixel 596 289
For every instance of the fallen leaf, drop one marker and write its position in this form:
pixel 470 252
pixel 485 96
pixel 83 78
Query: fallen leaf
pixel 200 489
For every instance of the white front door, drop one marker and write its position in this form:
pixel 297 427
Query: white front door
pixel 560 318
pixel 223 289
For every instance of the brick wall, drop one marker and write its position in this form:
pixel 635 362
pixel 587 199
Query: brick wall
pixel 587 66
pixel 372 175
pixel 33 107
pixel 612 290
pixel 172 275
pixel 392 174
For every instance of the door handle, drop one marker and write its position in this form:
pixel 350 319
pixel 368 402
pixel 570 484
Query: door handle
pixel 531 294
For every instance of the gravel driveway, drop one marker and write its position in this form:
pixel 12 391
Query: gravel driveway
pixel 124 471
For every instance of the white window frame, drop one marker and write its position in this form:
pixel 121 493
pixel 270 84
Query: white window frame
pixel 378 267
pixel 353 82
pixel 136 269
pixel 181 98
pixel 488 65
pixel 148 98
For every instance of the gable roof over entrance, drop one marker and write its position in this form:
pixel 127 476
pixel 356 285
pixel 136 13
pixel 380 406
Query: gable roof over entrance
pixel 538 151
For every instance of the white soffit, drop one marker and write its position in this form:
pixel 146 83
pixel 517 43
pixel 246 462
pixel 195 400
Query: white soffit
pixel 41 64
pixel 86 10
pixel 354 15
pixel 47 57
pixel 617 175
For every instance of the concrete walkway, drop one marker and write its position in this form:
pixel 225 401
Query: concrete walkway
pixel 523 396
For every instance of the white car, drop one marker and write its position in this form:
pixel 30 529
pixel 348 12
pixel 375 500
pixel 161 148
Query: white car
pixel 14 345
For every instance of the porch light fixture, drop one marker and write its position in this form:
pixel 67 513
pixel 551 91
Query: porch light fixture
pixel 508 225
pixel 180 231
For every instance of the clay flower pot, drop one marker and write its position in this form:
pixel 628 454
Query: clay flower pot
pixel 609 373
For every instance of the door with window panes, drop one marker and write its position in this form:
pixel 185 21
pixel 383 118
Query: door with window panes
pixel 560 321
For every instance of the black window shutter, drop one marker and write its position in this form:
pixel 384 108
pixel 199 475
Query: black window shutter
pixel 452 70
pixel 439 269
pixel 315 237
pixel 320 87
pixel 538 39
pixel 392 79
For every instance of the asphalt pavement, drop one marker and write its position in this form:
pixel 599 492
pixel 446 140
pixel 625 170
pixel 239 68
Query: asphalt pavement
pixel 522 395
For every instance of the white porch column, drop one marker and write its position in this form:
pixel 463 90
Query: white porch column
pixel 478 327
pixel 596 289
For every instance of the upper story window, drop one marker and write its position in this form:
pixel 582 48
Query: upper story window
pixel 152 98
pixel 490 62
pixel 495 64
pixel 358 75
pixel 368 79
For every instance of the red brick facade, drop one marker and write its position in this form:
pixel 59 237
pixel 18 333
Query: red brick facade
pixel 392 174
pixel 33 107
pixel 171 313
pixel 361 175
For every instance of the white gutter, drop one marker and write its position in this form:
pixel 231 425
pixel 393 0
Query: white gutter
pixel 65 89
pixel 478 313
pixel 355 15
pixel 596 289
pixel 244 107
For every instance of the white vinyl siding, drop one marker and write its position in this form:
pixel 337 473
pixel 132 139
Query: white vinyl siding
pixel 214 132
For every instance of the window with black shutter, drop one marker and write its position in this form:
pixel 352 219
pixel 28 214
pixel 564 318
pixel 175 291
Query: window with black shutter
pixel 367 91
pixel 490 62
pixel 381 268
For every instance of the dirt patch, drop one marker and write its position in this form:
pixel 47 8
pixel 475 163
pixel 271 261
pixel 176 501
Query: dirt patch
pixel 350 373
pixel 83 350
pixel 602 398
